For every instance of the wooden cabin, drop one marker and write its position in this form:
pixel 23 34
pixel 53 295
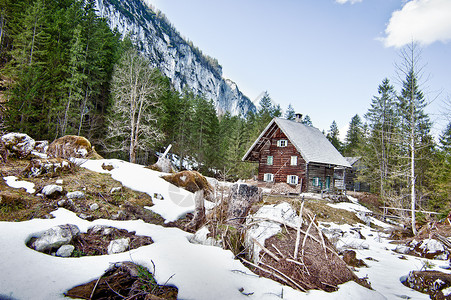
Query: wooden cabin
pixel 300 155
pixel 351 182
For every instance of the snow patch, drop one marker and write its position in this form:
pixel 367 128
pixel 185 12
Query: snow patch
pixel 17 184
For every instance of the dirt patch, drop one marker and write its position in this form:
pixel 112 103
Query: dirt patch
pixel 318 265
pixel 124 281
pixel 96 241
pixel 370 201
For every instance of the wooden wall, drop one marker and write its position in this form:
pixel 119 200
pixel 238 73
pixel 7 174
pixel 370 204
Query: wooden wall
pixel 281 166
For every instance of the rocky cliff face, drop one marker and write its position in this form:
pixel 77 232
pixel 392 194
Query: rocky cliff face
pixel 179 60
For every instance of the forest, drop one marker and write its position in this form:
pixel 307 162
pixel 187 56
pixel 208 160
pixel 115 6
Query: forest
pixel 65 72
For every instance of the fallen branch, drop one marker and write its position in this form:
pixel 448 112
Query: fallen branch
pixel 95 286
pixel 286 276
pixel 295 228
pixel 298 234
pixel 278 251
pixel 114 290
pixel 265 249
pixel 287 282
pixel 305 237
pixel 320 233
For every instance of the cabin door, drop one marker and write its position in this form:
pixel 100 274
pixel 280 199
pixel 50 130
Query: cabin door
pixel 328 183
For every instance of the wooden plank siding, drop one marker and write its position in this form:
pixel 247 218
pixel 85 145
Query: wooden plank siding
pixel 324 174
pixel 281 165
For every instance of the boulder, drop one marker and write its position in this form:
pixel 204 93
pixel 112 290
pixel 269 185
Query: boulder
pixel 55 237
pixel 427 248
pixel 52 190
pixel 47 166
pixel 189 180
pixel 65 251
pixel 118 246
pixel 70 146
pixel 94 206
pixel 436 284
pixel 18 144
pixel 75 195
pixel 41 146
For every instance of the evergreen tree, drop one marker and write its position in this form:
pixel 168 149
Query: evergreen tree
pixel 290 114
pixel 307 121
pixel 333 136
pixel 380 151
pixel 353 136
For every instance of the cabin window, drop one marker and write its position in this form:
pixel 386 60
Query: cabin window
pixel 268 177
pixel 269 160
pixel 316 181
pixel 282 143
pixel 294 160
pixel 292 179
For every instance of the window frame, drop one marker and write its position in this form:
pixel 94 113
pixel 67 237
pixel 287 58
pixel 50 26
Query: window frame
pixel 269 160
pixel 270 175
pixel 295 159
pixel 282 143
pixel 316 181
pixel 291 181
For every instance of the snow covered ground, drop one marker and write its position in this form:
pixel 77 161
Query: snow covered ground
pixel 199 272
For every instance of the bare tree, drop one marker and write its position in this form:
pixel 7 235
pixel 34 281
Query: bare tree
pixel 135 88
pixel 416 124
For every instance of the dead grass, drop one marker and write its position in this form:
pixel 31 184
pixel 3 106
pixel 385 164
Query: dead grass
pixel 317 268
pixel 192 181
pixel 96 187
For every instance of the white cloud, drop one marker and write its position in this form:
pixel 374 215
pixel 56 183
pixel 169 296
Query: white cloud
pixel 346 1
pixel 423 21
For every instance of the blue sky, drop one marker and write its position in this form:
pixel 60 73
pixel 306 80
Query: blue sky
pixel 325 57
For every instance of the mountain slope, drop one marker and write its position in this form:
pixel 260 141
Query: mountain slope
pixel 179 60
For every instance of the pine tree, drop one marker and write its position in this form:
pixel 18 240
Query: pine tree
pixel 307 121
pixel 381 150
pixel 75 81
pixel 353 136
pixel 333 136
pixel 290 114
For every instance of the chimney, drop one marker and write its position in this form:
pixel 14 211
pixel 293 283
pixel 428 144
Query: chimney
pixel 298 118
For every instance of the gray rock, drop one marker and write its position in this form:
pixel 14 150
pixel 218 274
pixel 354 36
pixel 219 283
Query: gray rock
pixel 65 251
pixel 83 216
pixel 118 246
pixel 75 195
pixel 116 189
pixel 94 206
pixel 55 237
pixel 19 144
pixel 52 190
pixel 101 229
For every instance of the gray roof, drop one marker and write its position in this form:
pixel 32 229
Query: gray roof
pixel 309 141
pixel 353 159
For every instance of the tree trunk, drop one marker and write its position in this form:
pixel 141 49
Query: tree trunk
pixel 242 196
pixel 199 211
pixel 412 178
